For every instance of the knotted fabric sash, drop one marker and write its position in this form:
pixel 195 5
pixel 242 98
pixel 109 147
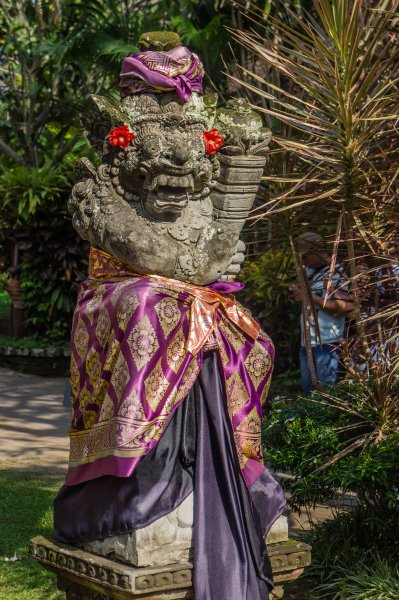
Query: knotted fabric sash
pixel 137 345
pixel 151 71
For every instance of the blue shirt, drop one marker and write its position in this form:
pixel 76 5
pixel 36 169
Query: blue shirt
pixel 331 328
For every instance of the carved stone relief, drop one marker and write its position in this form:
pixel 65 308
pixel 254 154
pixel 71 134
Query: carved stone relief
pixel 162 204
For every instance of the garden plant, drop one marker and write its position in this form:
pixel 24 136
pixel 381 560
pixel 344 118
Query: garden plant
pixel 325 74
pixel 329 83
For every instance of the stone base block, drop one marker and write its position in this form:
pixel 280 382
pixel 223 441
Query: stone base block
pixel 278 532
pixel 167 540
pixel 86 576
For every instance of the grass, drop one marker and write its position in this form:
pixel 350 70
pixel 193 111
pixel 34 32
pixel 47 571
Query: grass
pixel 371 579
pixel 25 511
pixel 355 555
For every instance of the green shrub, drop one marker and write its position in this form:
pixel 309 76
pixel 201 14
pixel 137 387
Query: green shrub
pixel 24 189
pixel 313 440
pixel 50 274
pixel 267 278
pixel 5 304
pixel 352 536
pixel 371 579
pixel 355 554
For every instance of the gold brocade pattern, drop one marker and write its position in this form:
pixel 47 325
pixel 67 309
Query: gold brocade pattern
pixel 176 351
pixel 237 394
pixel 168 314
pixel 258 363
pixel 81 338
pixel 126 308
pixel 74 378
pixel 119 289
pixel 103 328
pixel 107 408
pixel 113 348
pixel 187 382
pixel 100 391
pixel 237 442
pixel 89 418
pixel 84 399
pixel 120 374
pixel 155 386
pixel 93 367
pixel 143 342
pixel 233 335
pixel 166 290
pixel 95 303
pixel 248 432
pixel 251 447
pixel 251 423
pixel 203 308
pixel 135 370
pixel 223 354
pixel 265 391
pixel 131 407
pixel 102 263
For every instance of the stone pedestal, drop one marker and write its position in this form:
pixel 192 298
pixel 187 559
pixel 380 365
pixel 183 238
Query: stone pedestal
pixel 168 540
pixel 87 576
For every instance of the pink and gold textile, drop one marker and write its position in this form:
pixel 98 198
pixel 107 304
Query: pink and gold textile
pixel 137 345
pixel 150 71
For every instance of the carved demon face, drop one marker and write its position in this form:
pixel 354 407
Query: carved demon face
pixel 166 166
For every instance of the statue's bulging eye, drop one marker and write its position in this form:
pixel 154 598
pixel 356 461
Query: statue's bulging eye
pixel 151 145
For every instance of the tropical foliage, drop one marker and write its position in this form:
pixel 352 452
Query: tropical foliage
pixel 310 438
pixel 326 82
pixel 267 278
pixel 335 96
pixel 53 54
pixel 51 270
pixel 354 555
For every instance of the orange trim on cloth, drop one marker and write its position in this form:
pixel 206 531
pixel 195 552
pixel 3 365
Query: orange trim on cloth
pixel 203 310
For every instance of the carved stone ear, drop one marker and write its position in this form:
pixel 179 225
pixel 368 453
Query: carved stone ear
pixel 242 128
pixel 84 169
pixel 100 117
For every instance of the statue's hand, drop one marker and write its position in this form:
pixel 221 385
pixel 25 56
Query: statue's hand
pixel 235 266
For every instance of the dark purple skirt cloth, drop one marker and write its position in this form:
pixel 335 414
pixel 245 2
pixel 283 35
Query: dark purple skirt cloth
pixel 197 452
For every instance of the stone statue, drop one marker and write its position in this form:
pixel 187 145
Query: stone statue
pixel 168 203
pixel 168 371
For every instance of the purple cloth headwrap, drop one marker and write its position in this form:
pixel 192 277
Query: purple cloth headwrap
pixel 152 71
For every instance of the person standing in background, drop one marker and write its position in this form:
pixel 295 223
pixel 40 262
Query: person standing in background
pixel 330 313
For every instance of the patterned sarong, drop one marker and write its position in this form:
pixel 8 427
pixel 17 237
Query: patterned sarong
pixel 137 346
pixel 150 71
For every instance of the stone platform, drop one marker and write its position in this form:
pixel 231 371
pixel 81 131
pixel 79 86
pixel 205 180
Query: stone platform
pixel 86 576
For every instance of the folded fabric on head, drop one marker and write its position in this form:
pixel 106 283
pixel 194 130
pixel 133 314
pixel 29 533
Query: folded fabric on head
pixel 155 72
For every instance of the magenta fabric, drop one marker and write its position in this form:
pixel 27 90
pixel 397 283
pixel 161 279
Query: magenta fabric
pixel 230 559
pixel 130 370
pixel 151 71
pixel 226 287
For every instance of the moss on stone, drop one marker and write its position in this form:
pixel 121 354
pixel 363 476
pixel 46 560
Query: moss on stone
pixel 159 40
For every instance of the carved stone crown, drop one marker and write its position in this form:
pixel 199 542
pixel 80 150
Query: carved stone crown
pixel 163 203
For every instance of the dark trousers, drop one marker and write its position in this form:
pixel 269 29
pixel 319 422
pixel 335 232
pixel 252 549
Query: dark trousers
pixel 326 360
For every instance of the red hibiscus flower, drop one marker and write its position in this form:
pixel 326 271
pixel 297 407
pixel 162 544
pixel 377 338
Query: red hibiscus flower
pixel 213 141
pixel 120 136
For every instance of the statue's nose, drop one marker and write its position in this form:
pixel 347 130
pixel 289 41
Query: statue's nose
pixel 181 153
